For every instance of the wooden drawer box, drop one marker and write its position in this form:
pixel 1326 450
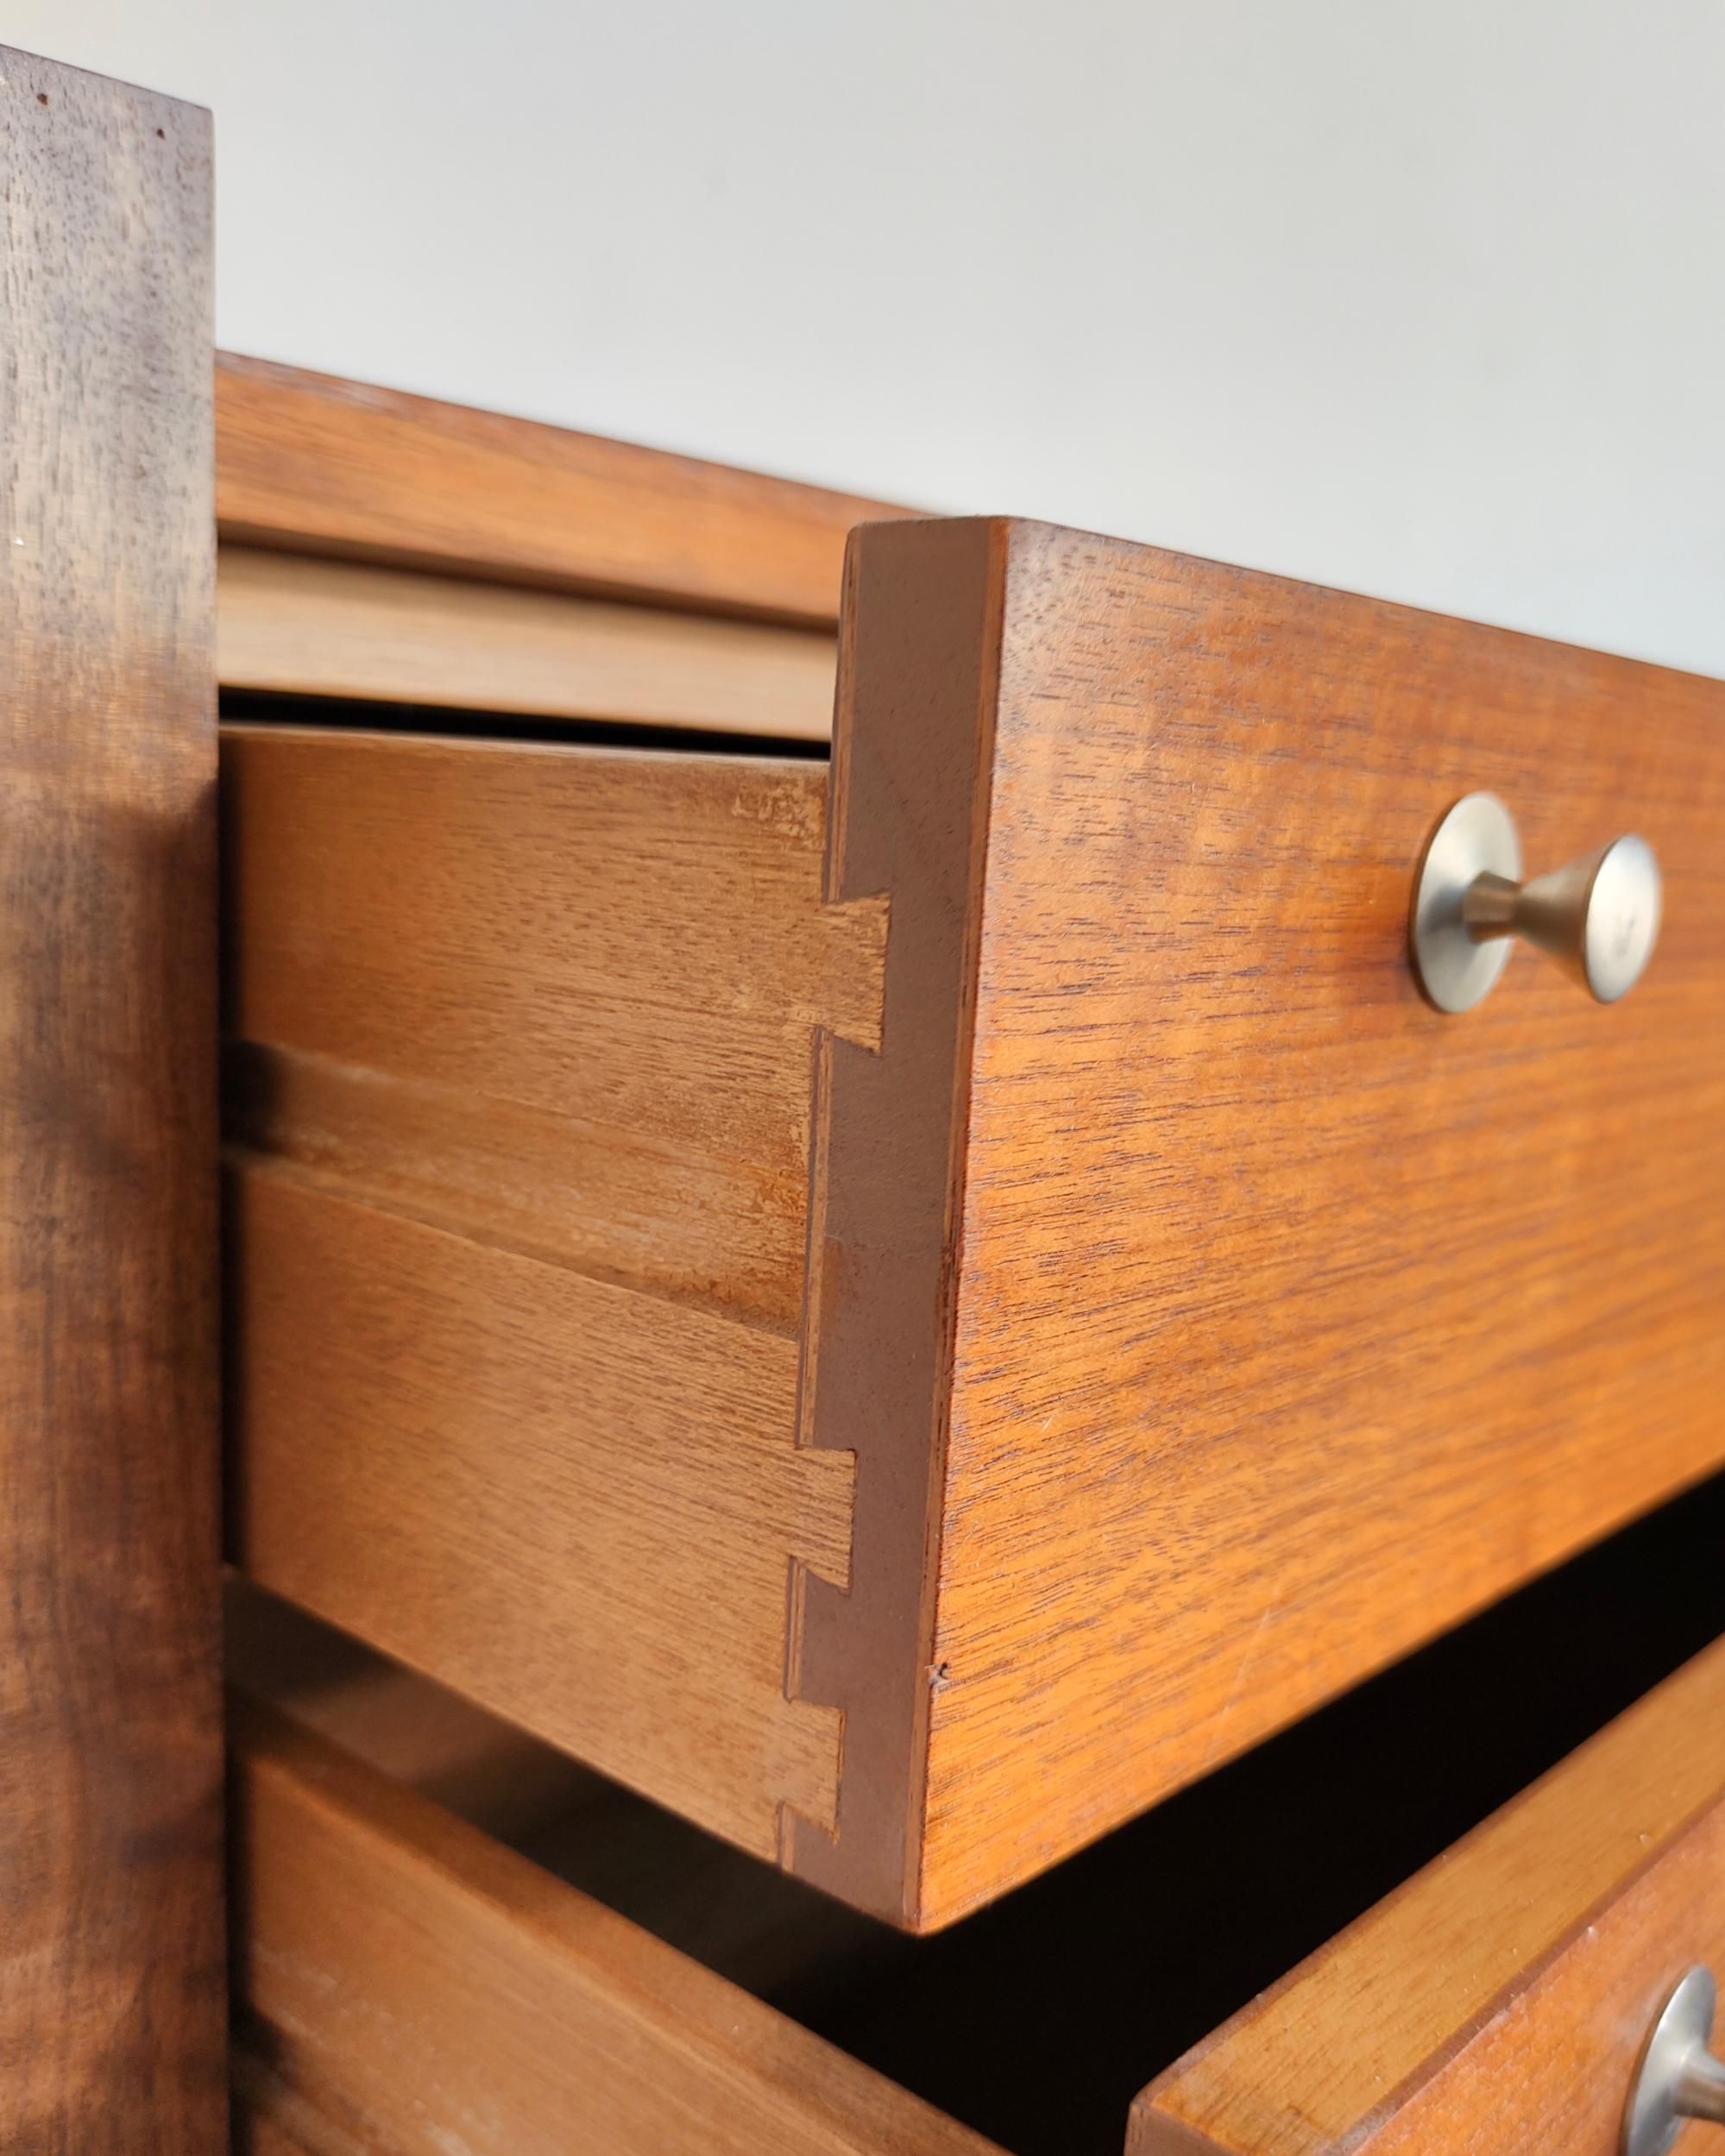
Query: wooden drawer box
pixel 910 1311
pixel 407 1984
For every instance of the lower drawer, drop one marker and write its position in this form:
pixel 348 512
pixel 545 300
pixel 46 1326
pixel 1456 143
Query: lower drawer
pixel 1500 1999
pixel 410 1985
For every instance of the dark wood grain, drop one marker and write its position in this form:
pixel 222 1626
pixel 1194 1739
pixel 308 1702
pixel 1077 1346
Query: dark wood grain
pixel 321 466
pixel 1272 1321
pixel 111 2001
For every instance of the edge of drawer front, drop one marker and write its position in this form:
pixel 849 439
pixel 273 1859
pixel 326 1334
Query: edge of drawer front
pixel 1140 1285
pixel 581 1498
pixel 419 1984
pixel 918 638
pixel 1501 1998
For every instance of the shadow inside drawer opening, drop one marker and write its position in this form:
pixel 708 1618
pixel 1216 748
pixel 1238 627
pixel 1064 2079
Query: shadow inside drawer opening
pixel 1038 2020
pixel 269 707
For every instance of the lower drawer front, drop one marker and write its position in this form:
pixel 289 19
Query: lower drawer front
pixel 408 1986
pixel 1501 2000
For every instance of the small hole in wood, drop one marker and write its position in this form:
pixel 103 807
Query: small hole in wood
pixel 161 135
pixel 41 96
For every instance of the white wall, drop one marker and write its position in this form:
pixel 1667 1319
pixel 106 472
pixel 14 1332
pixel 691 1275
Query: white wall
pixel 1427 300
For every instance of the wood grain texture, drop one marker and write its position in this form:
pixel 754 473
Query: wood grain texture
pixel 112 2029
pixel 289 623
pixel 1290 1320
pixel 577 1504
pixel 700 1894
pixel 320 466
pixel 520 1106
pixel 560 998
pixel 1500 1999
pixel 537 2021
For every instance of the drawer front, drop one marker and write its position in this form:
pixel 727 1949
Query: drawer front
pixel 1284 1320
pixel 1502 1999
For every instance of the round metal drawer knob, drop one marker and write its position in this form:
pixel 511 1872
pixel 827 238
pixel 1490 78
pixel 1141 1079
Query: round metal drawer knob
pixel 1678 2078
pixel 1597 917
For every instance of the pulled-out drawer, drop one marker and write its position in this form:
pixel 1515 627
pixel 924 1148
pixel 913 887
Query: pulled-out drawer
pixel 911 1309
pixel 407 1984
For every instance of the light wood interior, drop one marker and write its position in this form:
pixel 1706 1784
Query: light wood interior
pixel 292 625
pixel 579 1498
pixel 562 999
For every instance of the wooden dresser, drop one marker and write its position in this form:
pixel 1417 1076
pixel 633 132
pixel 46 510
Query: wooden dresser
pixel 899 1418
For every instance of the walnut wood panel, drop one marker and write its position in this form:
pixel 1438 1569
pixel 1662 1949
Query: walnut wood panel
pixel 1500 1999
pixel 1287 1321
pixel 290 623
pixel 559 998
pixel 520 1099
pixel 420 1988
pixel 318 465
pixel 111 2009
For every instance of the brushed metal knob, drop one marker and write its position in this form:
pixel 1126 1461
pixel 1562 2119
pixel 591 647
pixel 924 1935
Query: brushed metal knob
pixel 1597 917
pixel 1677 2078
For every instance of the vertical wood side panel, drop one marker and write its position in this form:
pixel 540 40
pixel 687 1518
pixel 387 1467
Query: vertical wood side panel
pixel 112 2006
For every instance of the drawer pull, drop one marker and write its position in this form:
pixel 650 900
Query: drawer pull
pixel 1678 2078
pixel 1597 917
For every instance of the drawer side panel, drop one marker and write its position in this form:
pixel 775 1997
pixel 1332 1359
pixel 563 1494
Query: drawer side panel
pixel 574 1503
pixel 517 1105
